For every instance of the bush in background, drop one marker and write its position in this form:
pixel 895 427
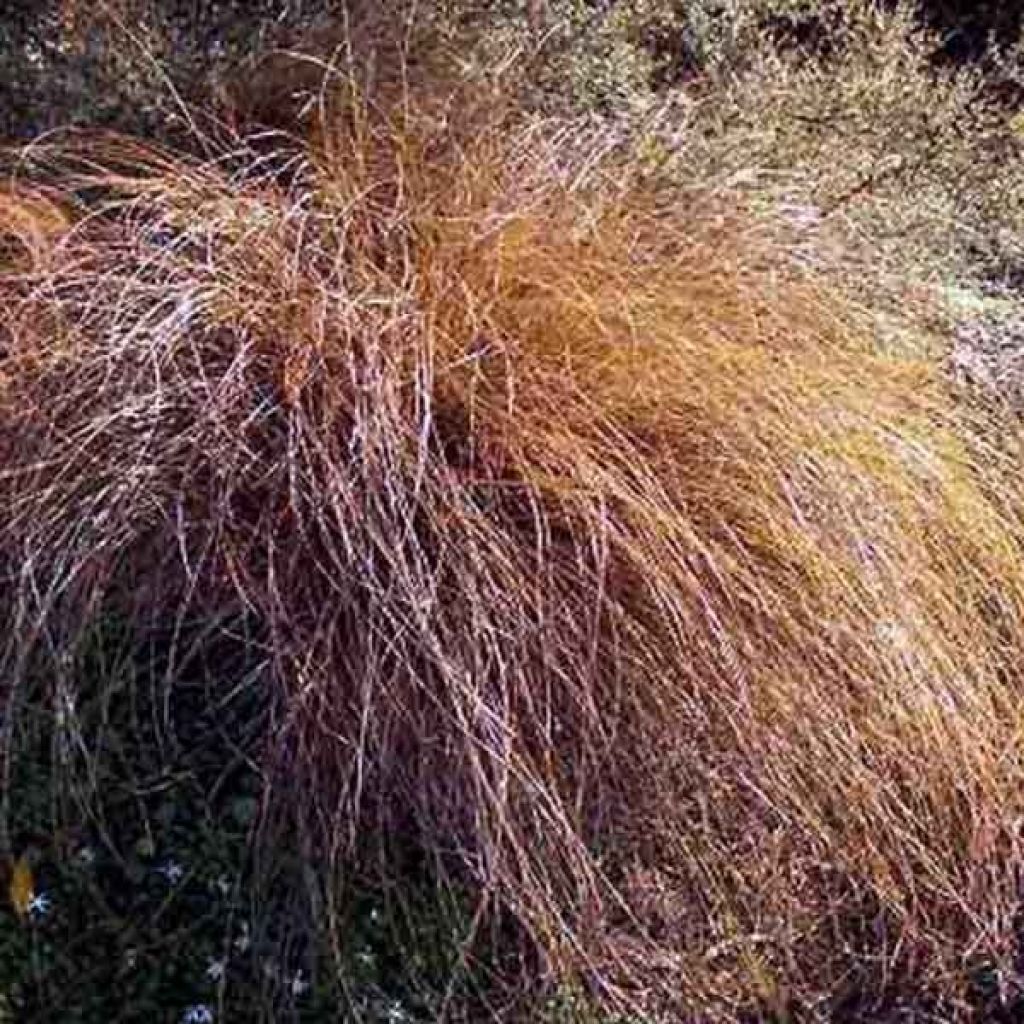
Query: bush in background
pixel 131 63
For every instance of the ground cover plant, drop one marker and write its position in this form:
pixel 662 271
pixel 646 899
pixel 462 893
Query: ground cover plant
pixel 481 577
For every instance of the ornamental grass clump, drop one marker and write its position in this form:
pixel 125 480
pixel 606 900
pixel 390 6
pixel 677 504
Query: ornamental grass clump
pixel 593 553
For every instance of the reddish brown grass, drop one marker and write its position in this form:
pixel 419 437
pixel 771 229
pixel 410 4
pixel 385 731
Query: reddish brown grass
pixel 594 553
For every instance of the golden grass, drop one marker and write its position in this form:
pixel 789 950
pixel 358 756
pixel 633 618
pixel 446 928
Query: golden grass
pixel 595 553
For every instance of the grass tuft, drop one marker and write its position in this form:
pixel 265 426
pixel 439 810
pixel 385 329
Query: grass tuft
pixel 597 559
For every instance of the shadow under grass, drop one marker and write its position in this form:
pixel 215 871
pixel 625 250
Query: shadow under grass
pixel 161 893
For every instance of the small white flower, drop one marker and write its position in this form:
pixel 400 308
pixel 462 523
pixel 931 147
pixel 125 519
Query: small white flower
pixel 395 1013
pixel 65 711
pixel 215 969
pixel 223 885
pixel 172 871
pixel 198 1014
pixel 299 985
pixel 242 942
pixel 86 856
pixel 39 905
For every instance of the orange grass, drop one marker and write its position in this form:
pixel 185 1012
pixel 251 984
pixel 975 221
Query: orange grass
pixel 593 553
